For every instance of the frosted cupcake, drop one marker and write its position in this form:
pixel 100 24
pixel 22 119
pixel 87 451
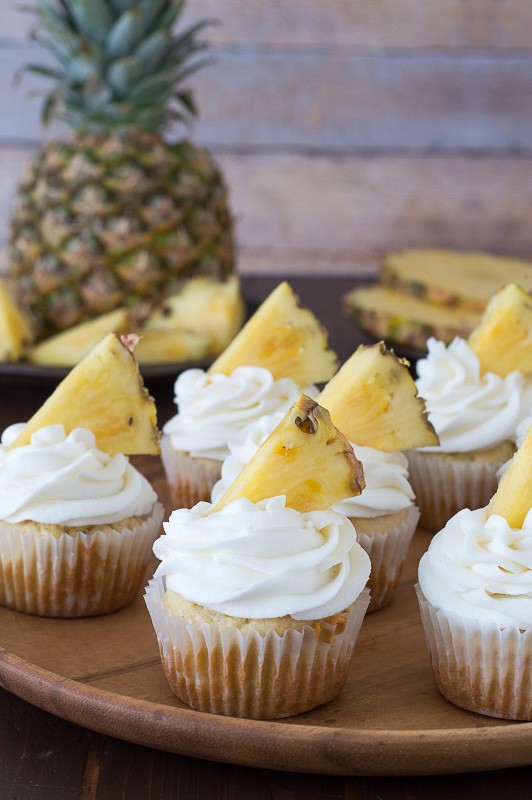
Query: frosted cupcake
pixel 281 349
pixel 258 601
pixel 384 514
pixel 475 415
pixel 76 519
pixel 475 596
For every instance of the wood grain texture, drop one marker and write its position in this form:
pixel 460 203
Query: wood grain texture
pixel 331 100
pixel 377 24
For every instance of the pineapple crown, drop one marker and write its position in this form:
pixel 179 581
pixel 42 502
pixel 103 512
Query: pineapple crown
pixel 119 65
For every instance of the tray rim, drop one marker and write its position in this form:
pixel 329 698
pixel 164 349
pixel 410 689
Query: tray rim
pixel 277 744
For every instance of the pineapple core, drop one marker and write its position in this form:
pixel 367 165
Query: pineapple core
pixel 513 498
pixel 284 338
pixel 373 400
pixel 104 393
pixel 305 458
pixel 503 338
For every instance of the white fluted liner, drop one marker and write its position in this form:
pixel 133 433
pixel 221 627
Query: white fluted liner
pixel 443 485
pixel 189 479
pixel 74 575
pixel 250 675
pixel 387 547
pixel 479 665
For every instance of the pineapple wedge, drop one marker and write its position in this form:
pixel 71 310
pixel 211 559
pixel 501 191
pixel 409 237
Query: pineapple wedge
pixel 283 337
pixel 15 331
pixel 513 498
pixel 172 345
pixel 305 458
pixel 373 400
pixel 210 308
pixel 66 349
pixel 503 339
pixel 104 393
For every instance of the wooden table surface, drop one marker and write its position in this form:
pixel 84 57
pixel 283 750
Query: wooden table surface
pixel 43 757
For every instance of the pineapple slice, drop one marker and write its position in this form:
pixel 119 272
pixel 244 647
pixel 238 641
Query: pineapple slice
pixel 305 458
pixel 171 345
pixel 453 277
pixel 503 339
pixel 104 393
pixel 283 337
pixel 15 331
pixel 513 498
pixel 210 308
pixel 66 349
pixel 389 314
pixel 373 400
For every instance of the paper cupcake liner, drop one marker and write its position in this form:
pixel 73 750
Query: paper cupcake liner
pixel 74 575
pixel 443 485
pixel 387 547
pixel 189 479
pixel 477 665
pixel 249 675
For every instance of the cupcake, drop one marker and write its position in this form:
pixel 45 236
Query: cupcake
pixel 76 519
pixel 384 514
pixel 76 525
pixel 258 601
pixel 475 597
pixel 475 415
pixel 280 349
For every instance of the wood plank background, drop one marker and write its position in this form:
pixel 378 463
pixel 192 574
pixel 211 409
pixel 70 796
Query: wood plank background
pixel 345 129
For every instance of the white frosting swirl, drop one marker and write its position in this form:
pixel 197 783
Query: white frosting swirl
pixel 65 480
pixel 387 488
pixel 263 560
pixel 469 410
pixel 212 408
pixel 478 566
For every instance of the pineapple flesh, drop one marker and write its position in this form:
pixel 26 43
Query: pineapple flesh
pixel 305 458
pixel 15 331
pixel 116 216
pixel 157 347
pixel 69 347
pixel 373 400
pixel 211 308
pixel 104 393
pixel 503 339
pixel 284 338
pixel 513 498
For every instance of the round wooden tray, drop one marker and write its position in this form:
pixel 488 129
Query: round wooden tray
pixel 104 673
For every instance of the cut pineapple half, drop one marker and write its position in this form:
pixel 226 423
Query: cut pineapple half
pixel 173 345
pixel 212 309
pixel 373 400
pixel 67 348
pixel 104 393
pixel 15 331
pixel 305 458
pixel 503 338
pixel 513 498
pixel 283 337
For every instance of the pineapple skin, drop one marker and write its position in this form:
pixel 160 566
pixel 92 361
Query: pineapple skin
pixel 103 221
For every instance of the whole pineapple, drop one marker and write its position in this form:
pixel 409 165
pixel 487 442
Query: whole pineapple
pixel 117 215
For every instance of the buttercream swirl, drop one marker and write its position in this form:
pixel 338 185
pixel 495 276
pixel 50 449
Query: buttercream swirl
pixel 478 566
pixel 387 487
pixel 211 408
pixel 65 480
pixel 263 560
pixel 469 410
